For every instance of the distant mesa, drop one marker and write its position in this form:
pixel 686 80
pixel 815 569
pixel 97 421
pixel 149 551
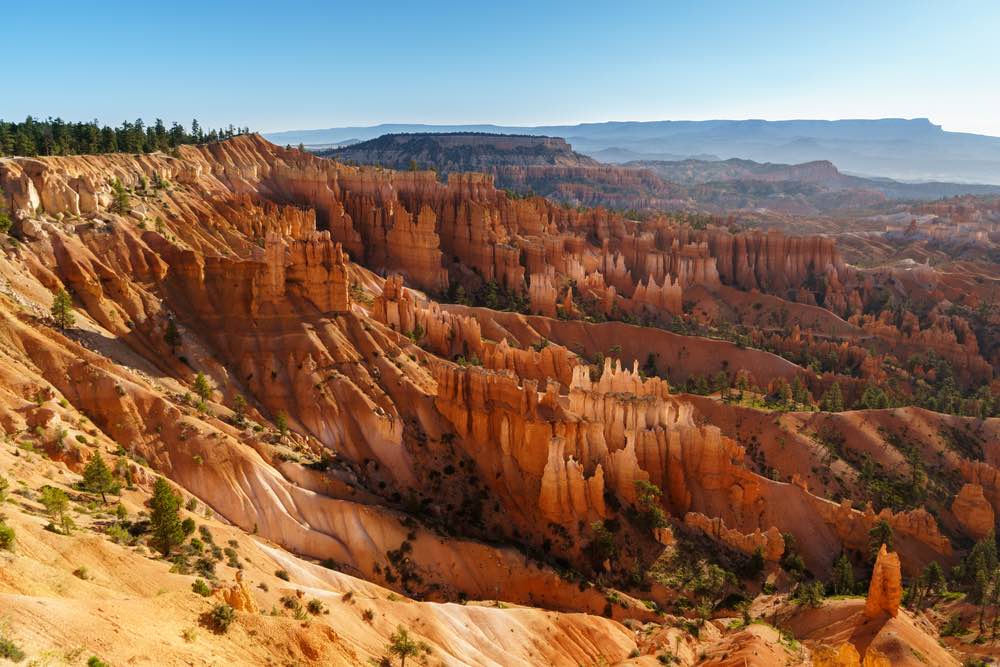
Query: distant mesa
pixel 550 167
pixel 904 149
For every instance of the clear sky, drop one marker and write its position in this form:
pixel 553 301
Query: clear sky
pixel 298 65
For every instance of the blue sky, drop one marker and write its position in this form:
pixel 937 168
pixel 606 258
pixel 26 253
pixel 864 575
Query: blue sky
pixel 296 65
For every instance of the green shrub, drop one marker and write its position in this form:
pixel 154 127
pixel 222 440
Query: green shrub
pixel 201 588
pixel 315 607
pixel 221 617
pixel 10 650
pixel 117 534
pixel 6 536
pixel 94 661
pixel 282 574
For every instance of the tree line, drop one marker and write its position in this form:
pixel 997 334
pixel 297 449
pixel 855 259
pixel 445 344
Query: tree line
pixel 54 136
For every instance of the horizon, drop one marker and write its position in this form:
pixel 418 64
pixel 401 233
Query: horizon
pixel 611 121
pixel 523 64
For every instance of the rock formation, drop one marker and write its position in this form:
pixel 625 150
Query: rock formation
pixel 886 588
pixel 770 543
pixel 973 512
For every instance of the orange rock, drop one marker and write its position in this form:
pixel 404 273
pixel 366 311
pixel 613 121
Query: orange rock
pixel 239 597
pixel 886 588
pixel 973 511
pixel 844 655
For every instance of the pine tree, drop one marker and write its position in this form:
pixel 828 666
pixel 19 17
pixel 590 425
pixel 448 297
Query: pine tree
pixel 403 646
pixel 874 398
pixel 120 201
pixel 833 399
pixel 799 392
pixel 97 478
pixel 56 504
pixel 843 576
pixel 785 393
pixel 202 387
pixel 881 533
pixel 62 309
pixel 165 520
pixel 5 221
pixel 281 423
pixel 172 336
pixel 240 408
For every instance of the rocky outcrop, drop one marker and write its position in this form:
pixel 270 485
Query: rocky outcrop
pixel 973 512
pixel 239 597
pixel 770 542
pixel 886 588
pixel 542 295
pixel 566 495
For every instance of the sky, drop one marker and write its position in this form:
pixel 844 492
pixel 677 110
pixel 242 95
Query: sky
pixel 301 65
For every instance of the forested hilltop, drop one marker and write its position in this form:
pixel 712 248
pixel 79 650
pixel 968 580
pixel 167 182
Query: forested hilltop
pixel 54 136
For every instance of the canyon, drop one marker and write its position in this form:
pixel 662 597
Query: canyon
pixel 481 416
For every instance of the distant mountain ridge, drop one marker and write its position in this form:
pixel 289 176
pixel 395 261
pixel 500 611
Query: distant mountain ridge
pixel 550 167
pixel 907 149
pixel 822 173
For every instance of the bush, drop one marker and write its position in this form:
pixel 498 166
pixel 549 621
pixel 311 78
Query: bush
pixel 94 661
pixel 118 534
pixel 6 536
pixel 810 594
pixel 282 574
pixel 221 617
pixel 315 607
pixel 201 588
pixel 8 649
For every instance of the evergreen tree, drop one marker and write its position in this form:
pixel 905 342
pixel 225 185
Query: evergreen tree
pixel 833 399
pixel 800 393
pixel 403 646
pixel 5 221
pixel 172 336
pixel 281 423
pixel 843 575
pixel 881 533
pixel 164 519
pixel 202 387
pixel 651 514
pixel 240 408
pixel 97 478
pixel 874 398
pixel 56 504
pixel 62 309
pixel 120 201
pixel 785 393
pixel 932 581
